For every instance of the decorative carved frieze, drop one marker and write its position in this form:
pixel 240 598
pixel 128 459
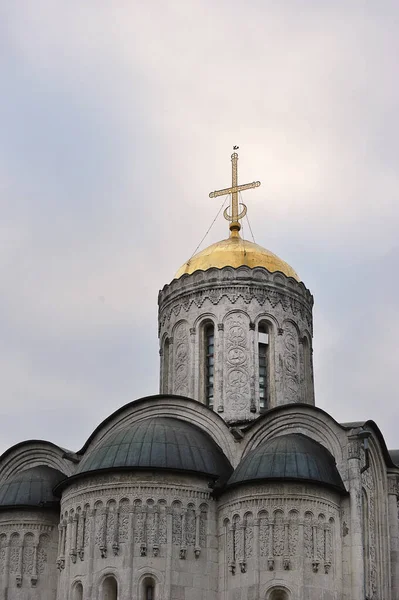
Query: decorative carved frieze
pixel 149 523
pixel 280 520
pixel 24 554
pixel 263 296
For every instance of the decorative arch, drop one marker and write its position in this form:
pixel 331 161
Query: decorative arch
pixel 235 311
pixel 278 590
pixel 147 578
pixel 34 453
pixel 261 273
pixel 77 590
pixel 309 420
pixel 279 594
pixel 207 316
pixel 167 406
pixel 148 588
pixel 108 585
pixel 109 588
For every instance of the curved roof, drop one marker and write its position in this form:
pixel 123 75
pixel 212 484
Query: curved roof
pixel 293 457
pixel 158 443
pixel 394 454
pixel 32 487
pixel 236 252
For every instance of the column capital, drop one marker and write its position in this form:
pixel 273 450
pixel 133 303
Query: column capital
pixel 354 447
pixel 393 484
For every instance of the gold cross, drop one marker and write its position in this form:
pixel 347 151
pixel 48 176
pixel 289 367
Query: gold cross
pixel 233 190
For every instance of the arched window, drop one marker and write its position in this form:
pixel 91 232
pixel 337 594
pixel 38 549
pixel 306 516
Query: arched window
pixel 110 588
pixel 278 594
pixel 165 367
pixel 264 371
pixel 148 589
pixel 209 354
pixel 77 591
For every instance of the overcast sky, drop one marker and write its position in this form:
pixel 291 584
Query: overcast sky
pixel 117 119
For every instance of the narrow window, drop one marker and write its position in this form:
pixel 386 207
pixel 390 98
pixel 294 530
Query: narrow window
pixel 278 595
pixel 263 353
pixel 149 591
pixel 165 367
pixel 78 591
pixel 148 587
pixel 209 363
pixel 110 588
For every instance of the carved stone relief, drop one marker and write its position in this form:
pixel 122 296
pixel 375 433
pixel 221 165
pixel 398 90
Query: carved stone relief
pixel 290 360
pixel 28 553
pixel 181 359
pixel 278 534
pixel 293 533
pixel 123 524
pixel 190 527
pixel 264 529
pixel 249 538
pixel 238 390
pixel 176 526
pixel 15 553
pixel 263 295
pixel 42 553
pixel 280 522
pixel 87 528
pixel 308 535
pixel 372 575
pixel 111 520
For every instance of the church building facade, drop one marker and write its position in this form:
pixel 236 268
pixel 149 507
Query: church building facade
pixel 230 484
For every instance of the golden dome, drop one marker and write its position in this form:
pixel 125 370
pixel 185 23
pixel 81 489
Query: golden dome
pixel 235 252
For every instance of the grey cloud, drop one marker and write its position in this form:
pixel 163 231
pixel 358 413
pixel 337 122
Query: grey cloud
pixel 117 123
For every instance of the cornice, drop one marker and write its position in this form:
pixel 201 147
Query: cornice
pixel 230 277
pixel 264 294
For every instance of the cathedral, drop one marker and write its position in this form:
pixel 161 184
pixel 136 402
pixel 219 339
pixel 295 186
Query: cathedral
pixel 230 484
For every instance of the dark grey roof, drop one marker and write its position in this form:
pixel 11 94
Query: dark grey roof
pixel 293 457
pixel 158 443
pixel 394 454
pixel 32 487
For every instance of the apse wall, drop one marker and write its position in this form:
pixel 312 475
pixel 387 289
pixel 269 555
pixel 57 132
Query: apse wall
pixel 276 536
pixel 28 551
pixel 143 529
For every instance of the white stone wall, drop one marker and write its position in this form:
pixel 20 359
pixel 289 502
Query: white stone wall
pixel 393 512
pixel 137 526
pixel 280 535
pixel 28 550
pixel 236 301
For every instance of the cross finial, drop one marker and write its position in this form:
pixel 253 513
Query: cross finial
pixel 233 190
